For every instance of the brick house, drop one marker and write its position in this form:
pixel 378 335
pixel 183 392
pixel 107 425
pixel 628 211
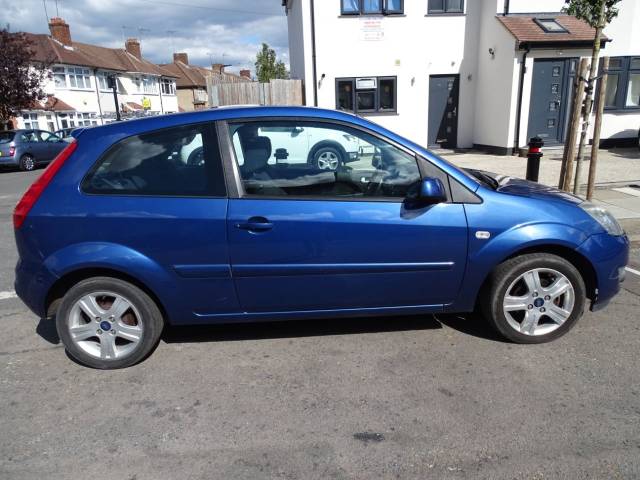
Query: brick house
pixel 191 82
pixel 77 92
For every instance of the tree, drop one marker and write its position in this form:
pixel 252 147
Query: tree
pixel 268 66
pixel 598 14
pixel 20 79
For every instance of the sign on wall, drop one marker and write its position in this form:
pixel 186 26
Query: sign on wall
pixel 371 29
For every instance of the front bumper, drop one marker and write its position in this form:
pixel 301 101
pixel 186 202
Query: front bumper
pixel 608 255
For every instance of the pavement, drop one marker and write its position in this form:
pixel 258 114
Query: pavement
pixel 421 397
pixel 617 184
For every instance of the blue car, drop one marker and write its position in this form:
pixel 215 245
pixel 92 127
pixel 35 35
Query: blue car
pixel 126 231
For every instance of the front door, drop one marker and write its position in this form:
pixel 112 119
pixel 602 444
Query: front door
pixel 443 110
pixel 302 239
pixel 550 95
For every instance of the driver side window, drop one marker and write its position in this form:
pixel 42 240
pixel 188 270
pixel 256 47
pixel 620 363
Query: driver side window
pixel 320 159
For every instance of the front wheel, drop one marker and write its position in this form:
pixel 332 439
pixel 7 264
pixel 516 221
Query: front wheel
pixel 108 323
pixel 534 298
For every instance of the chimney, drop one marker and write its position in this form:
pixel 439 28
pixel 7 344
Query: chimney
pixel 245 74
pixel 60 31
pixel 217 68
pixel 132 45
pixel 181 57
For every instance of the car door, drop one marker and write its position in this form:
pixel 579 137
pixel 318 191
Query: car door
pixel 30 140
pixel 301 241
pixel 51 145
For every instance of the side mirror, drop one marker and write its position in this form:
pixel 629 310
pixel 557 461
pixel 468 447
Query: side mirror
pixel 431 192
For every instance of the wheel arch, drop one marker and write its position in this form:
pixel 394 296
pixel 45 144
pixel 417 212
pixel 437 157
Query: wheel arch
pixel 328 143
pixel 71 278
pixel 579 261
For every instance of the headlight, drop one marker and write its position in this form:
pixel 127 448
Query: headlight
pixel 603 217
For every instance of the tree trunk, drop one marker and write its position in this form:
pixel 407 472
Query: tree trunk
pixel 566 172
pixel 588 103
pixel 596 128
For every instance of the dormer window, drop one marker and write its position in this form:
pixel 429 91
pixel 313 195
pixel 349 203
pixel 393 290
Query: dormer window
pixel 550 25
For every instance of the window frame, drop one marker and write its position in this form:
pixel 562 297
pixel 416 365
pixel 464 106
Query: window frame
pixel 541 22
pixel 445 11
pixel 235 186
pixel 210 140
pixel 624 73
pixel 354 95
pixel 384 10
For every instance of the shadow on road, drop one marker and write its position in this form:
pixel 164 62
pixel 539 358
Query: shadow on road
pixel 313 328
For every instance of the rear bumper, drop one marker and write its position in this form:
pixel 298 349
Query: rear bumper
pixel 609 255
pixel 8 161
pixel 32 285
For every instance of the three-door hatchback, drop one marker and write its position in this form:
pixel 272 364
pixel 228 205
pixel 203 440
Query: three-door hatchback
pixel 227 215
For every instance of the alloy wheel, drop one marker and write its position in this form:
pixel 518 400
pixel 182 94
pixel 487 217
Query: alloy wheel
pixel 105 325
pixel 328 160
pixel 539 301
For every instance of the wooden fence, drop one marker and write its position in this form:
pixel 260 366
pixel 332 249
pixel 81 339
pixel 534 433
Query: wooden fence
pixel 276 92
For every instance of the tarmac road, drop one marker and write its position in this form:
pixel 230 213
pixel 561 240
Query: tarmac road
pixel 411 397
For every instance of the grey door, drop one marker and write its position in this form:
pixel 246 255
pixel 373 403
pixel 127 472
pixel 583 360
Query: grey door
pixel 550 94
pixel 443 110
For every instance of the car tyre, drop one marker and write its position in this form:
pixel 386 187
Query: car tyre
pixel 27 163
pixel 107 323
pixel 327 158
pixel 533 298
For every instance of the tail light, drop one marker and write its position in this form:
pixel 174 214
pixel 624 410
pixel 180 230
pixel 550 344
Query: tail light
pixel 12 151
pixel 31 196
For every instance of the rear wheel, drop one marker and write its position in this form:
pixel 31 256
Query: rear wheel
pixel 27 162
pixel 534 298
pixel 108 323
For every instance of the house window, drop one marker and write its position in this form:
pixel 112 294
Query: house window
pixel 550 25
pixel 168 87
pixel 103 82
pixel 445 6
pixel 59 77
pixel 30 121
pixel 623 84
pixel 372 7
pixel 145 84
pixel 366 94
pixel 79 78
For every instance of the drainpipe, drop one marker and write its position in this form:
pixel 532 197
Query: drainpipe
pixel 313 54
pixel 95 75
pixel 160 92
pixel 523 72
pixel 506 8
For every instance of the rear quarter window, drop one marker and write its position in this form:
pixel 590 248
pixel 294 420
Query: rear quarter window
pixel 180 161
pixel 6 137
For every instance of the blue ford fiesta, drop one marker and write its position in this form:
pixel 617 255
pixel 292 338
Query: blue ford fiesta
pixel 265 213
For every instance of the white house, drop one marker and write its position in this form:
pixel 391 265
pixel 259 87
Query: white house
pixel 488 74
pixel 78 92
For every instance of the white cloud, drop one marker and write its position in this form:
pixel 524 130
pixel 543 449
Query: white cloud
pixel 222 30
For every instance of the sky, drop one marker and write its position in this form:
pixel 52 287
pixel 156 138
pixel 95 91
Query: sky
pixel 210 31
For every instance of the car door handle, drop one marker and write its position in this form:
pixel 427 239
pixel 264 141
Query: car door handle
pixel 255 224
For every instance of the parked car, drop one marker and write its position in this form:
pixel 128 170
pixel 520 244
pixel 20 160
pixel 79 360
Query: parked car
pixel 121 236
pixel 27 149
pixel 321 149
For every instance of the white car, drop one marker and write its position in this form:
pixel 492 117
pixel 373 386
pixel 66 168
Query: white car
pixel 324 149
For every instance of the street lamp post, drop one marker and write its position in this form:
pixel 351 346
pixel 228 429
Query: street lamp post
pixel 113 84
